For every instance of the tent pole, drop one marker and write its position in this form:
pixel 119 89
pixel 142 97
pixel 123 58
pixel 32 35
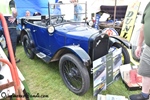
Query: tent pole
pixel 115 12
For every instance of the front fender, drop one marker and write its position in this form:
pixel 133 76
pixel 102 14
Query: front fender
pixel 27 32
pixel 24 32
pixel 76 50
pixel 122 40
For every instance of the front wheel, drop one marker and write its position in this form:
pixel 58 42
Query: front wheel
pixel 74 74
pixel 125 53
pixel 27 47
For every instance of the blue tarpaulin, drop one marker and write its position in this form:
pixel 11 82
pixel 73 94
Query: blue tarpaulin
pixel 33 6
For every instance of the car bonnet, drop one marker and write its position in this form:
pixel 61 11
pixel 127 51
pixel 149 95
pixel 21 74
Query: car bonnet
pixel 78 30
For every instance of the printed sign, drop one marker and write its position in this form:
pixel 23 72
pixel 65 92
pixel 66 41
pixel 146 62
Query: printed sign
pixel 97 21
pixel 109 68
pixel 106 70
pixel 129 20
pixel 110 31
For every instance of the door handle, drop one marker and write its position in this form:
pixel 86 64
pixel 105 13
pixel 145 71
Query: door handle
pixel 34 30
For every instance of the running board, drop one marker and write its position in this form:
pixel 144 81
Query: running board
pixel 44 57
pixel 40 55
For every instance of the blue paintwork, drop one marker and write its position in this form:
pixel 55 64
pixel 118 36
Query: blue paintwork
pixel 64 35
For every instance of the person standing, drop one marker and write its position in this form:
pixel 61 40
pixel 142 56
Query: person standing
pixel 144 67
pixel 57 10
pixel 8 9
pixel 77 10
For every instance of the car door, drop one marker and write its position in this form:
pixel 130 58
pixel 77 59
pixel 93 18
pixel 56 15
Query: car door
pixel 47 43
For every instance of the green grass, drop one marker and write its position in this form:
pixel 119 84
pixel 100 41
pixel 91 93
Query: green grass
pixel 45 79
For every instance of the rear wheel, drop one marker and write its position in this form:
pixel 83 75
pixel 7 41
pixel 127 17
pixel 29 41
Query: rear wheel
pixel 27 47
pixel 74 74
pixel 125 53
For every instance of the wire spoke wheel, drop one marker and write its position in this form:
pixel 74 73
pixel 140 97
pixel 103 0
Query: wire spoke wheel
pixel 74 74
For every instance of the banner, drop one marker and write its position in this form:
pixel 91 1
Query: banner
pixel 129 20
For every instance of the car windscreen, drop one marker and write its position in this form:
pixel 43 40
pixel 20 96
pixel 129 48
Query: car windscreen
pixel 65 12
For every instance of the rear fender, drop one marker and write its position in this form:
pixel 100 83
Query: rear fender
pixel 76 50
pixel 123 41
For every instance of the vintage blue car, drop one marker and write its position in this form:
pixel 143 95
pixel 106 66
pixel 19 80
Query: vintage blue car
pixel 75 45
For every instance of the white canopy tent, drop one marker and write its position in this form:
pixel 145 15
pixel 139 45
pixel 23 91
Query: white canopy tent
pixel 93 6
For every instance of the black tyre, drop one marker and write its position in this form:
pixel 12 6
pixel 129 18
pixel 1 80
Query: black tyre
pixel 74 74
pixel 27 47
pixel 125 53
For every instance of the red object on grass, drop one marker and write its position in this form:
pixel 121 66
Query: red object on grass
pixel 133 76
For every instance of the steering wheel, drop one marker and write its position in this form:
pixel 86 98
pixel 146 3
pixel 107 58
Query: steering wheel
pixel 58 20
pixel 47 22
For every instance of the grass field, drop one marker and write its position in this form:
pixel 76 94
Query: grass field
pixel 45 79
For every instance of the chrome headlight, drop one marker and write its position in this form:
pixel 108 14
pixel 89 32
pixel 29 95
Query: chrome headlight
pixel 51 29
